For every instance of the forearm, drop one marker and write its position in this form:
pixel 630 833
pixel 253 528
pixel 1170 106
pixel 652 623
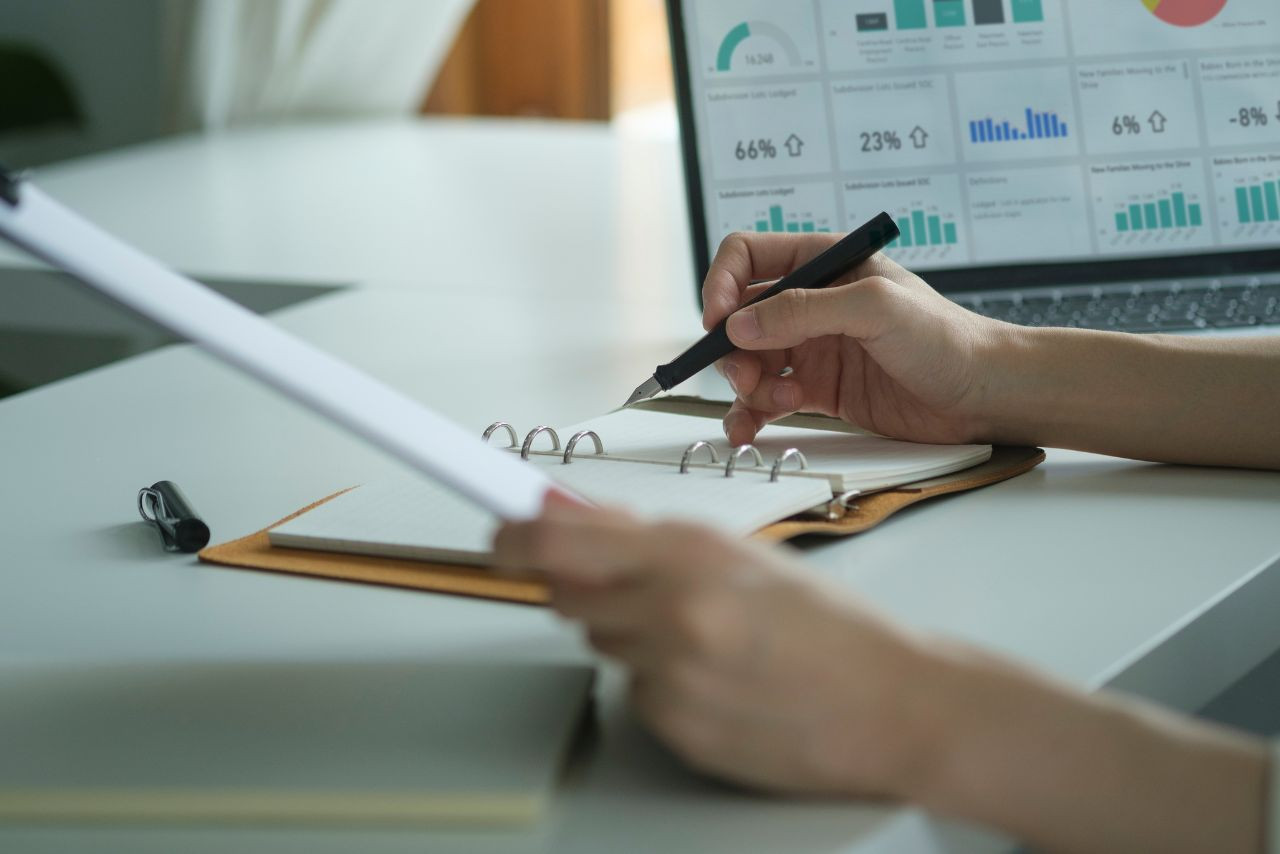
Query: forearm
pixel 1155 397
pixel 1066 772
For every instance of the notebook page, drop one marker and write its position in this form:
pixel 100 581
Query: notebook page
pixel 414 518
pixel 847 461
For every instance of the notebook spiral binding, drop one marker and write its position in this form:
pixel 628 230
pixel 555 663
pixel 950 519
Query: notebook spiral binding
pixel 686 460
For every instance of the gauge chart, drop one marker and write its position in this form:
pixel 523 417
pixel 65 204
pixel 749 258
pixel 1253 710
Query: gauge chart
pixel 1185 13
pixel 779 41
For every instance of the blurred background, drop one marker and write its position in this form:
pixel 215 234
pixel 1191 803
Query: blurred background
pixel 79 77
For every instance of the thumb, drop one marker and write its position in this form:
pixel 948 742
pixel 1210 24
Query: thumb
pixel 863 310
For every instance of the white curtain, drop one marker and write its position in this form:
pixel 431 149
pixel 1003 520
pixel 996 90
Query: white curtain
pixel 262 61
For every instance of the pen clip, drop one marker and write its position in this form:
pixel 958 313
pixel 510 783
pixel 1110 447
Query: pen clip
pixel 159 516
pixel 181 530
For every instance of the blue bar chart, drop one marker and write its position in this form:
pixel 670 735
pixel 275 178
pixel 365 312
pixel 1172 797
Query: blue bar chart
pixel 1036 125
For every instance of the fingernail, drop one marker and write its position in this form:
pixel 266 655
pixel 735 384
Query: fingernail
pixel 745 326
pixel 731 374
pixel 784 397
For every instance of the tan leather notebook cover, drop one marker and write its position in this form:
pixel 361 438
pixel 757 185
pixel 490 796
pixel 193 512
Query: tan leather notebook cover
pixel 256 552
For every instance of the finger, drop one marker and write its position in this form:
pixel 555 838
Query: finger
pixel 745 258
pixel 863 310
pixel 741 424
pixel 613 608
pixel 742 371
pixel 570 547
pixel 775 395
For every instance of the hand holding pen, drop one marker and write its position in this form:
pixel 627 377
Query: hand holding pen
pixel 879 349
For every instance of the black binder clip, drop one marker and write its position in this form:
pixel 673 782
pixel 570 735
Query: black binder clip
pixel 163 505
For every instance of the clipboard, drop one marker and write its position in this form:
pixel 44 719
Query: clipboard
pixel 864 513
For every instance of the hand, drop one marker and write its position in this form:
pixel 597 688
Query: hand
pixel 740 660
pixel 879 349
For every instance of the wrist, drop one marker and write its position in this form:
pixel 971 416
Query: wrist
pixel 1005 382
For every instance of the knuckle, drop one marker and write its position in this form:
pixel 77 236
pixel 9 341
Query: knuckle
pixel 879 289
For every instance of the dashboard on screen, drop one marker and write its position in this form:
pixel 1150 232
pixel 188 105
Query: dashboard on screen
pixel 998 133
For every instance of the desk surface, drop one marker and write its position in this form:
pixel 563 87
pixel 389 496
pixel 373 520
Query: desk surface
pixel 1161 580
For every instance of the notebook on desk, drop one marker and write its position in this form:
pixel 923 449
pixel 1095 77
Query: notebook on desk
pixel 667 459
pixel 408 533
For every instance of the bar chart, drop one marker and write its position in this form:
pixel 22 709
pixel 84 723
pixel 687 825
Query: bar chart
pixel 1163 212
pixel 778 221
pixel 920 229
pixel 1038 125
pixel 1258 202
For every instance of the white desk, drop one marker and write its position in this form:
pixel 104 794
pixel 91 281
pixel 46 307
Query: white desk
pixel 1157 579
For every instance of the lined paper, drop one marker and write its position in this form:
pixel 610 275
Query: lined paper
pixel 416 519
pixel 846 460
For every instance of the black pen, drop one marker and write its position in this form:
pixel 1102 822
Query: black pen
pixel 181 530
pixel 851 251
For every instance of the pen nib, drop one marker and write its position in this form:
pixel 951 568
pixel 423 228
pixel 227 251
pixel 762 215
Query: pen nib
pixel 646 390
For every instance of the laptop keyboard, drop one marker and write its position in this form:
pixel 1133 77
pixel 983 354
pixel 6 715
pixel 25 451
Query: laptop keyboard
pixel 1142 307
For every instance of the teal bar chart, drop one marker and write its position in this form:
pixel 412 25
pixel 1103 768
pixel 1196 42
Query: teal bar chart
pixel 1257 203
pixel 920 229
pixel 1172 211
pixel 779 222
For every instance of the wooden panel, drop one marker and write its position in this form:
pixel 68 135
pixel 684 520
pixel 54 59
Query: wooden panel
pixel 528 58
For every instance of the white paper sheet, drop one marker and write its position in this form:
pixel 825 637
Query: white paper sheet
pixel 401 426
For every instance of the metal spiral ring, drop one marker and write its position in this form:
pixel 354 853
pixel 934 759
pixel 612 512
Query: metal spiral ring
pixel 533 434
pixel 788 454
pixel 573 443
pixel 693 449
pixel 737 454
pixel 495 426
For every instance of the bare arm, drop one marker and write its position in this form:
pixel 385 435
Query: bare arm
pixel 885 351
pixel 1169 398
pixel 1068 772
pixel 754 670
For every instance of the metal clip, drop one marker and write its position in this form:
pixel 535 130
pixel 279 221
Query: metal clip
pixel 788 454
pixel 533 434
pixel 737 454
pixel 573 443
pixel 497 425
pixel 693 449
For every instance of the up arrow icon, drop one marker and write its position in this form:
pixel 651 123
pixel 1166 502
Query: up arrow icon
pixel 794 144
pixel 1157 120
pixel 919 137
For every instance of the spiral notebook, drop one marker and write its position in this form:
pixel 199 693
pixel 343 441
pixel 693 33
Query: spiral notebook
pixel 666 459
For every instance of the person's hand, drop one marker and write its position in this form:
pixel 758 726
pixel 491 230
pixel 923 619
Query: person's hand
pixel 740 660
pixel 879 349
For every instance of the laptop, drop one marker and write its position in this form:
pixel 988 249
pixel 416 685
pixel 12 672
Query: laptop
pixel 1111 165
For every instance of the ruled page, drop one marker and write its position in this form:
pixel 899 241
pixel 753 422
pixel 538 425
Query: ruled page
pixel 415 518
pixel 846 460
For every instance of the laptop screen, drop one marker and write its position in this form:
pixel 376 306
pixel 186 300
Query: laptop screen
pixel 1014 141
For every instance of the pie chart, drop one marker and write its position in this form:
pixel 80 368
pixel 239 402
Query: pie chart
pixel 1185 13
